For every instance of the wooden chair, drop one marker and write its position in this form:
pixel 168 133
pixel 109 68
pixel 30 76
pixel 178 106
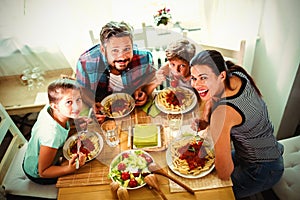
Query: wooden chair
pixel 93 39
pixel 235 55
pixel 140 38
pixel 12 178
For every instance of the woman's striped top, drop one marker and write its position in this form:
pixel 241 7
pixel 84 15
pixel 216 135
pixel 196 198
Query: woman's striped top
pixel 253 139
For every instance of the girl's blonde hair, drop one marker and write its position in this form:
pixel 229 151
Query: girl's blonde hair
pixel 57 88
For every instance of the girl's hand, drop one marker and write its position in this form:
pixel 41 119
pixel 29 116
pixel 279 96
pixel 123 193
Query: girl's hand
pixel 81 158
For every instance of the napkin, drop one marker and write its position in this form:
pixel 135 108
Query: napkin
pixel 145 135
pixel 153 111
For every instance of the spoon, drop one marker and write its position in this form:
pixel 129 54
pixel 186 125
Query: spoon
pixel 156 169
pixel 152 181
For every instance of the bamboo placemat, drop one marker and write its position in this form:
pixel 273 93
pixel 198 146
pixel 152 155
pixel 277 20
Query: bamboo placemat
pixel 209 181
pixel 92 173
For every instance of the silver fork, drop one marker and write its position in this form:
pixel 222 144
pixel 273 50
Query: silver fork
pixel 78 149
pixel 197 136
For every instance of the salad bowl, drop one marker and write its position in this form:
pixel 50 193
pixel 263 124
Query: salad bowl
pixel 129 168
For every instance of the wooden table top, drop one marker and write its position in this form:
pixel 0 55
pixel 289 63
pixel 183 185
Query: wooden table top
pixel 16 98
pixel 69 189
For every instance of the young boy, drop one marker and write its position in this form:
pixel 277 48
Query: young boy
pixel 179 54
pixel 49 133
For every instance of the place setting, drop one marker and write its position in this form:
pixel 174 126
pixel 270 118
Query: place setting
pixel 90 142
pixel 190 157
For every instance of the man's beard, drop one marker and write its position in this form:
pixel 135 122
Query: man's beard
pixel 124 66
pixel 113 66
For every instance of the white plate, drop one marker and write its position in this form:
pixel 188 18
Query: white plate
pixel 129 168
pixel 185 110
pixel 106 102
pixel 96 137
pixel 171 166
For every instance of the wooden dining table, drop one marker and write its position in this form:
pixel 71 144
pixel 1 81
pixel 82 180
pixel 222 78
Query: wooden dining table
pixel 92 182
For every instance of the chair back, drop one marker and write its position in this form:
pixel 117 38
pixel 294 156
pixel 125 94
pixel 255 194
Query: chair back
pixel 93 39
pixel 140 38
pixel 11 140
pixel 234 55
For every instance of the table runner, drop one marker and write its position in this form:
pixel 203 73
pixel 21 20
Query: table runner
pixel 92 173
pixel 207 182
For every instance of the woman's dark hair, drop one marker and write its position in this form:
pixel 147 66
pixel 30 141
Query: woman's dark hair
pixel 57 88
pixel 216 62
pixel 116 29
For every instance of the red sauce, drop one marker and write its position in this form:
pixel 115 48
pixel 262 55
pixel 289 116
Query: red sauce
pixel 175 98
pixel 84 149
pixel 194 154
pixel 119 105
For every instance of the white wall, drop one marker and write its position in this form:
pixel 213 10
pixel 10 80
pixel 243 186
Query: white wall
pixel 53 25
pixel 277 55
pixel 64 25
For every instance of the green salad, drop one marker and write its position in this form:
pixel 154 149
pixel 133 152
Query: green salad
pixel 130 167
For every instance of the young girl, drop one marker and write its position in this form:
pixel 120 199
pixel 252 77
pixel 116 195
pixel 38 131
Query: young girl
pixel 49 133
pixel 179 54
pixel 240 115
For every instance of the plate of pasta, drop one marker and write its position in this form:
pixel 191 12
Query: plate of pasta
pixel 118 105
pixel 190 158
pixel 91 145
pixel 176 100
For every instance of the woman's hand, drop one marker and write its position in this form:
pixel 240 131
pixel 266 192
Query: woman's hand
pixel 199 124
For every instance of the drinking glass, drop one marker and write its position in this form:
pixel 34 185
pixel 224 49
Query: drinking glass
pixel 175 123
pixel 30 84
pixel 81 124
pixel 111 133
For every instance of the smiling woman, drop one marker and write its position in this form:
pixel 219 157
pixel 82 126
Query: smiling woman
pixel 238 114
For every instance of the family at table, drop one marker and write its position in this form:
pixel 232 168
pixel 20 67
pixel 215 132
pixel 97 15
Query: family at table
pixel 233 107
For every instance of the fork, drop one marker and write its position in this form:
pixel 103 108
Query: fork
pixel 78 149
pixel 197 136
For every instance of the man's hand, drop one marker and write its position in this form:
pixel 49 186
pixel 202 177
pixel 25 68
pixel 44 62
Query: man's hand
pixel 97 108
pixel 140 97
